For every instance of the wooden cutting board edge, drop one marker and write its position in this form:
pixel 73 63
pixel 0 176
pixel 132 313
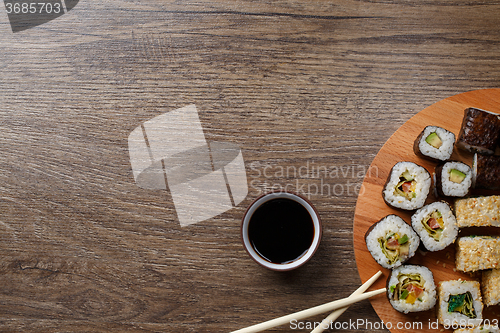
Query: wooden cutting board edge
pixel 370 207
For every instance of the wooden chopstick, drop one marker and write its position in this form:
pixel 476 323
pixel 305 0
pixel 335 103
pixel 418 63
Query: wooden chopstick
pixel 334 315
pixel 310 312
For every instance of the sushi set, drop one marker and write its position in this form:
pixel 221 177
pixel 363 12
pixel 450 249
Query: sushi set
pixel 428 215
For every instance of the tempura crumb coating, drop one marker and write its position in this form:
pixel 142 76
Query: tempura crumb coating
pixel 491 286
pixel 478 212
pixel 477 253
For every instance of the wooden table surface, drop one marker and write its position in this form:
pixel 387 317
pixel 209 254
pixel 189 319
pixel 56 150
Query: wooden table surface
pixel 297 85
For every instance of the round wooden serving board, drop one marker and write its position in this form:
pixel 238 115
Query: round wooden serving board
pixel 371 208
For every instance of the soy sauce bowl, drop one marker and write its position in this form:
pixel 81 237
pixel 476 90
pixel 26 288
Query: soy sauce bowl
pixel 281 230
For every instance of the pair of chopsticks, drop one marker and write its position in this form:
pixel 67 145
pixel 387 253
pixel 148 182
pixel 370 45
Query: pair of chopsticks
pixel 338 306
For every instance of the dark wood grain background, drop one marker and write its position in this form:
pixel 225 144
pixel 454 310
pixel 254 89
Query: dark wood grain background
pixel 311 84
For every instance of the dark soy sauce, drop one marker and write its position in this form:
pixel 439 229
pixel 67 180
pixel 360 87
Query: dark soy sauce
pixel 281 230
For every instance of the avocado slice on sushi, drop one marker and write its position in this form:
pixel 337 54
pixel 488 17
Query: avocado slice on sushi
pixel 457 176
pixel 434 140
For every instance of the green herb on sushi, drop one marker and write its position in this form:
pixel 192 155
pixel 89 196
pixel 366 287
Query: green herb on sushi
pixel 462 303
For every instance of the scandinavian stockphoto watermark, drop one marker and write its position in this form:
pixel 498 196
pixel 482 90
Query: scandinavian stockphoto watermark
pixel 26 14
pixel 205 179
pixel 170 151
pixel 367 325
pixel 311 179
pixel 360 324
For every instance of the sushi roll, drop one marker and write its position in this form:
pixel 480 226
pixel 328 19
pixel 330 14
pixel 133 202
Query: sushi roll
pixel 436 225
pixel 479 329
pixel 452 179
pixel 486 172
pixel 478 212
pixel 407 186
pixel 434 143
pixel 480 131
pixel 476 253
pixel 459 303
pixel 411 288
pixel 391 241
pixel 490 284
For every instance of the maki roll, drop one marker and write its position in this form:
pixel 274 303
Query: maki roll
pixel 391 241
pixel 486 172
pixel 459 303
pixel 490 283
pixel 452 179
pixel 476 253
pixel 436 225
pixel 411 288
pixel 407 186
pixel 480 131
pixel 478 212
pixel 434 143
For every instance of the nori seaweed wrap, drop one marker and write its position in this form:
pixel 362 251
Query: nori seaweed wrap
pixel 434 143
pixel 480 131
pixel 486 172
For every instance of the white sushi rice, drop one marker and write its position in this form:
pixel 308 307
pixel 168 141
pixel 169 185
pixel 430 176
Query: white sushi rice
pixel 457 287
pixel 474 170
pixel 427 300
pixel 423 179
pixel 442 153
pixel 450 188
pixel 450 230
pixel 388 225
